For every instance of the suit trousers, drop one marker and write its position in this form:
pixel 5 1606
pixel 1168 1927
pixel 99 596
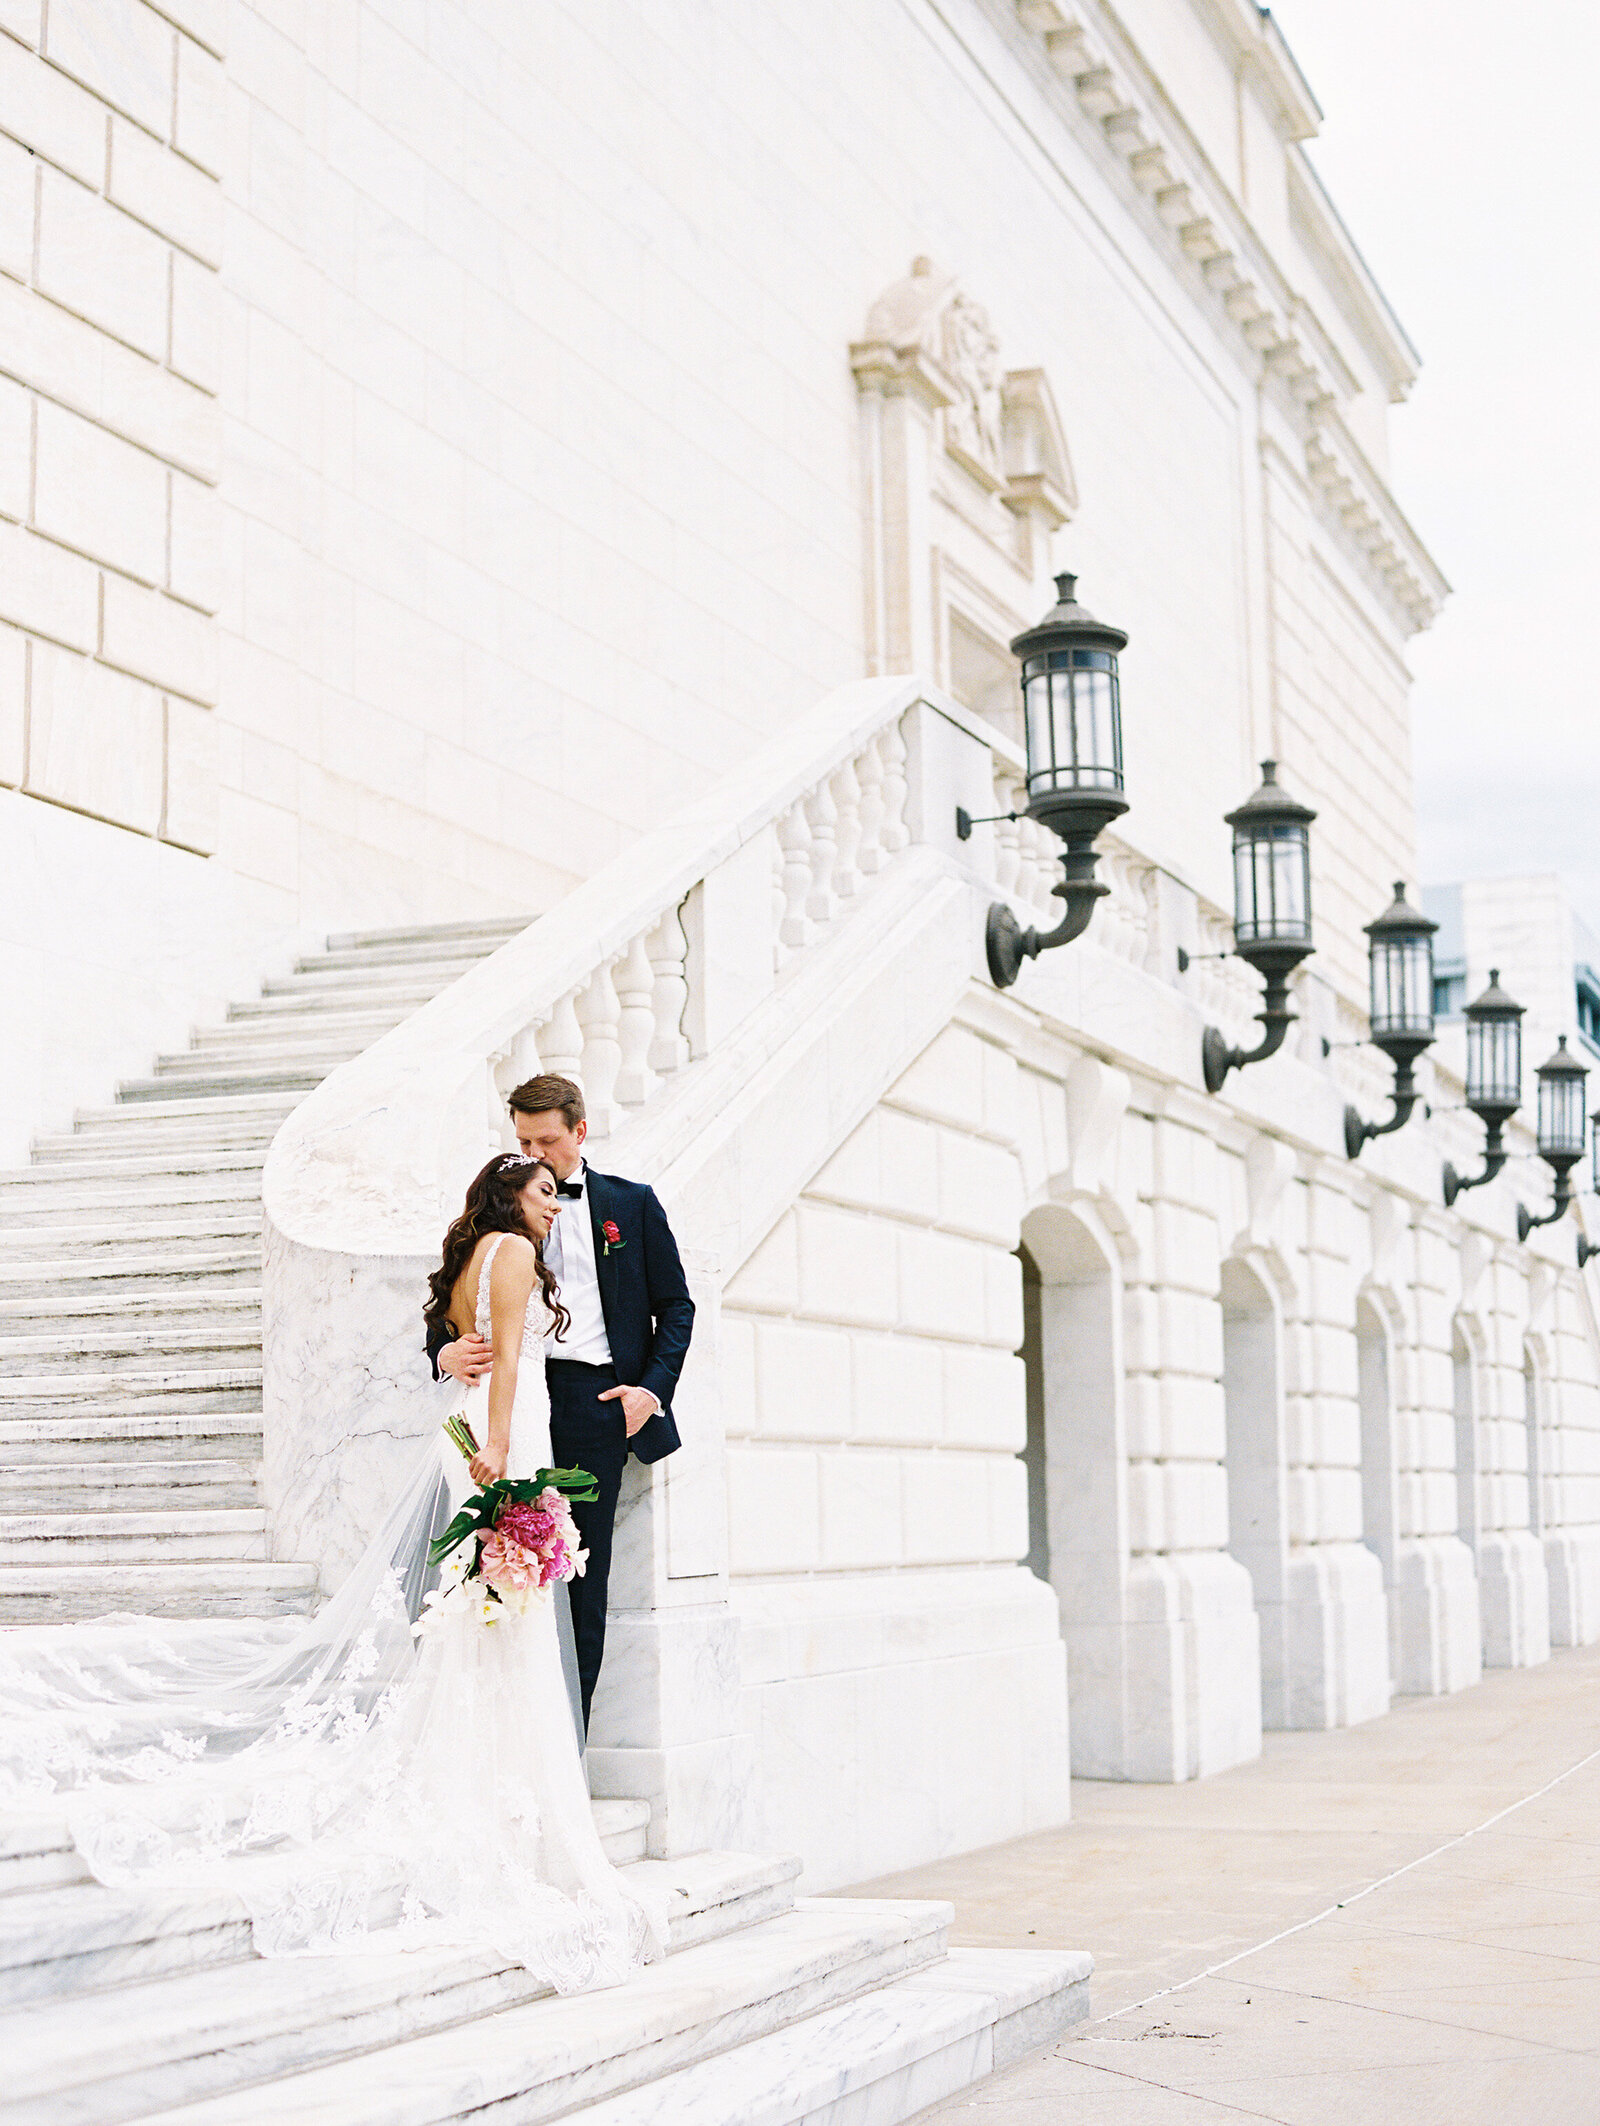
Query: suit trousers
pixel 586 1433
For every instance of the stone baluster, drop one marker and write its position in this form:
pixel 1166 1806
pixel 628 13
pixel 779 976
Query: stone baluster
pixel 794 838
pixel 892 750
pixel 869 778
pixel 780 900
pixel 514 1065
pixel 1041 862
pixel 668 948
pixel 847 802
pixel 495 1105
pixel 822 816
pixel 599 1013
pixel 636 1024
pixel 563 1041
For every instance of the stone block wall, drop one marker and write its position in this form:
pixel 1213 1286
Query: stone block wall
pixel 110 433
pixel 903 1677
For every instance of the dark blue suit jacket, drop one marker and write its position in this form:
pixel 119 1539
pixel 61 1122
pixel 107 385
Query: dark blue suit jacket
pixel 644 1297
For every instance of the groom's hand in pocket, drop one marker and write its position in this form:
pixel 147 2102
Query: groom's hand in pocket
pixel 467 1360
pixel 638 1406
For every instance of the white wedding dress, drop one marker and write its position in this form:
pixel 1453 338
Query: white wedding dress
pixel 359 1789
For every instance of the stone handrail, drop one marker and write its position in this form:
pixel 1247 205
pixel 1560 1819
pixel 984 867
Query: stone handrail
pixel 618 987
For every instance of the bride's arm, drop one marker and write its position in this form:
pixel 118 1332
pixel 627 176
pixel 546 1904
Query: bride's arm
pixel 511 1278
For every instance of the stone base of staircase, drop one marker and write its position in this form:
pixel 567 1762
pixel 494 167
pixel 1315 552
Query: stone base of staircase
pixel 130 1451
pixel 128 2005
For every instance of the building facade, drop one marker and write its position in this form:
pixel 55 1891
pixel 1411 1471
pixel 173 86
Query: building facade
pixel 493 462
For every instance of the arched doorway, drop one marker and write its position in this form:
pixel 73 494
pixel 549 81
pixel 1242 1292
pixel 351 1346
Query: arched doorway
pixel 1257 1535
pixel 1077 1493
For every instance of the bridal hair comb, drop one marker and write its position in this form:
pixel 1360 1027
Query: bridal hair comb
pixel 514 1159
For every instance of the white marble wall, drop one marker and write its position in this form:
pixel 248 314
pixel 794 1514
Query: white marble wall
pixel 903 1681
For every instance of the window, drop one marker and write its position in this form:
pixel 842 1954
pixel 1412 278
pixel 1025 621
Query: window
pixel 1588 1002
pixel 1449 995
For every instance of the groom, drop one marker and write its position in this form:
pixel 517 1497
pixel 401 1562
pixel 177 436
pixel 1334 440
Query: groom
pixel 612 1374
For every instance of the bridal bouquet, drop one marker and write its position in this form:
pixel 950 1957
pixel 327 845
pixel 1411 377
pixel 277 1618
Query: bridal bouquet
pixel 522 1539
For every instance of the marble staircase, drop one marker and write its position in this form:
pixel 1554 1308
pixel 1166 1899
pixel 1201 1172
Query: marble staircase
pixel 130 1441
pixel 120 2005
pixel 130 1301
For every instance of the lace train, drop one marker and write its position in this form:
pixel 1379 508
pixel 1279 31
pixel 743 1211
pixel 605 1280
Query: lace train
pixel 355 1789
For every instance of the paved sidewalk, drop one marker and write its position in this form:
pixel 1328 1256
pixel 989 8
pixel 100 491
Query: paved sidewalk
pixel 1464 1991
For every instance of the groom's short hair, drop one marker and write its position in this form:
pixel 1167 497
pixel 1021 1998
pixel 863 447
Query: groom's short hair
pixel 546 1093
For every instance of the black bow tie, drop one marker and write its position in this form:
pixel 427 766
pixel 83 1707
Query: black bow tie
pixel 569 1188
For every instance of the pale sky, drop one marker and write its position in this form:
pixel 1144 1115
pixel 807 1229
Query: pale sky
pixel 1462 148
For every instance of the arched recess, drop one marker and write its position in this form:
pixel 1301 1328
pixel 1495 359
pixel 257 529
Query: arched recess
pixel 1464 1402
pixel 1380 1481
pixel 1252 1387
pixel 1078 1513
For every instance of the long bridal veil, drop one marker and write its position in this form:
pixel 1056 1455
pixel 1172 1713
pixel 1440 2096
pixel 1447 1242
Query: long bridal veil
pixel 355 1788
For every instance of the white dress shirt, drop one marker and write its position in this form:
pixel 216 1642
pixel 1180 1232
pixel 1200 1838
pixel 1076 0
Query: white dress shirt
pixel 570 1253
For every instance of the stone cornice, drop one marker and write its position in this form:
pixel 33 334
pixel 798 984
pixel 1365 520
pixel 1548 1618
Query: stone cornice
pixel 1115 87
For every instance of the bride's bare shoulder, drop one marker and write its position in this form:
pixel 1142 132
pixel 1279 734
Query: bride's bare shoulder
pixel 515 1261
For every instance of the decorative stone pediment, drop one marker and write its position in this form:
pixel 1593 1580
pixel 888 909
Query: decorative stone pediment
pixel 967 475
pixel 926 334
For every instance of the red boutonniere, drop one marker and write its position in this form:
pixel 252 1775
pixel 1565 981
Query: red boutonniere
pixel 613 1235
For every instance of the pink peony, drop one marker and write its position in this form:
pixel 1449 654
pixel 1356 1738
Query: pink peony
pixel 531 1526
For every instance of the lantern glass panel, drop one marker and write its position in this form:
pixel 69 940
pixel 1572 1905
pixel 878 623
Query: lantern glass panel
pixel 1494 1062
pixel 1402 986
pixel 1594 1153
pixel 1561 1116
pixel 1272 884
pixel 1074 722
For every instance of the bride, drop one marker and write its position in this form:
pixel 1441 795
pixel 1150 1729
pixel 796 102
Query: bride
pixel 360 1780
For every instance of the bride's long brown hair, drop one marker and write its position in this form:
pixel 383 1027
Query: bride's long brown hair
pixel 493 1205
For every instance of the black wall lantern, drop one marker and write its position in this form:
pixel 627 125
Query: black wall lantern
pixel 1400 957
pixel 1562 1079
pixel 1072 716
pixel 1494 1078
pixel 1271 914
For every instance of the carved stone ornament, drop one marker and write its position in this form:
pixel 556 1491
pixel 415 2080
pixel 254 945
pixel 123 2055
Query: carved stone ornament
pixel 925 334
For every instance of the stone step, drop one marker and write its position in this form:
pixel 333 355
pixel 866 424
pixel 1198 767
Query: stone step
pixel 542 2059
pixel 175 1534
pixel 488 932
pixel 37 1852
pixel 315 1060
pixel 295 1034
pixel 235 2020
pixel 286 1006
pixel 443 958
pixel 347 987
pixel 247 1109
pixel 222 1083
pixel 91 1236
pixel 156 1435
pixel 881 2059
pixel 126 1486
pixel 155 1137
pixel 182 1302
pixel 225 1587
pixel 100 1273
pixel 78 1936
pixel 50 1199
pixel 283 1049
pixel 134 1162
pixel 131 1392
pixel 217 1344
